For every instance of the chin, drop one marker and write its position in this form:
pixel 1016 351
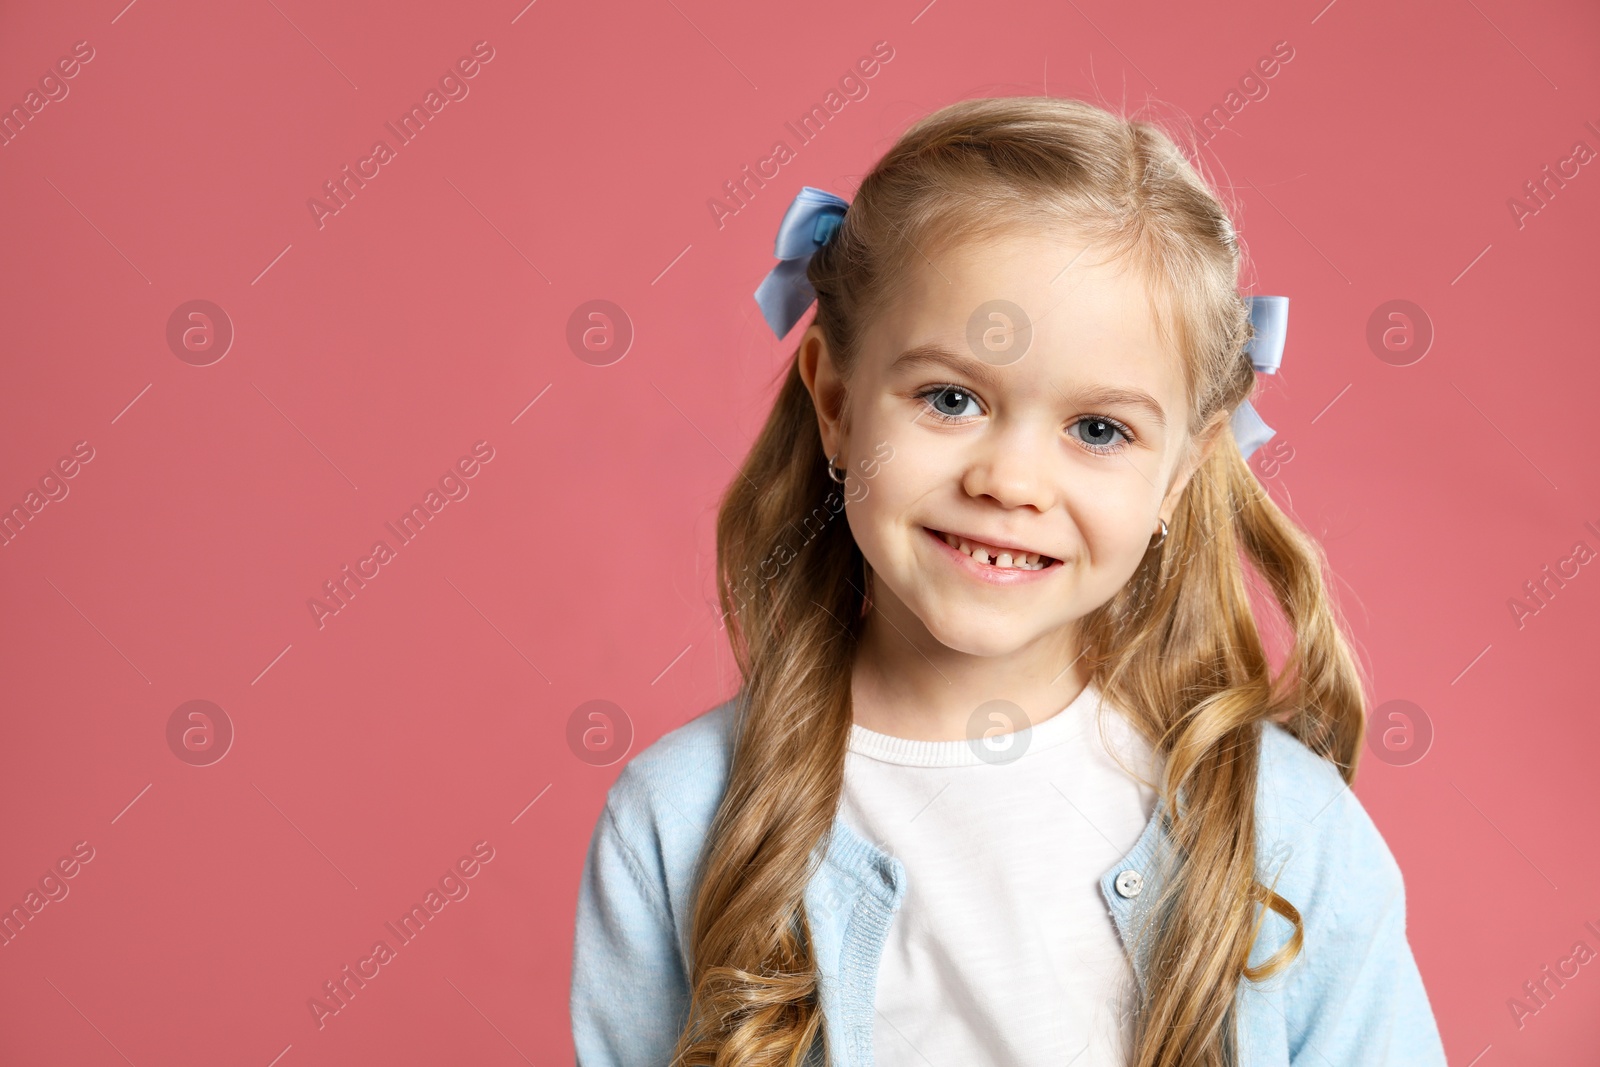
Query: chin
pixel 970 636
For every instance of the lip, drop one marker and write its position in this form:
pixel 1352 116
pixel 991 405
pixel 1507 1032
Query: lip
pixel 987 572
pixel 1013 549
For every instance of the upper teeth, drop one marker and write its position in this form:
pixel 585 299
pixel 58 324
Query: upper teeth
pixel 999 557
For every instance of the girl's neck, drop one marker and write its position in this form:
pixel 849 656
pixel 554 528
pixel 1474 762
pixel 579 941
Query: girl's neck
pixel 925 691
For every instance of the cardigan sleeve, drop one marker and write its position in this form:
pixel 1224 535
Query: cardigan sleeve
pixel 1355 996
pixel 629 994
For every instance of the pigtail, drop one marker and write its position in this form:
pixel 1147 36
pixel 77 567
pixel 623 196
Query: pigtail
pixel 1177 648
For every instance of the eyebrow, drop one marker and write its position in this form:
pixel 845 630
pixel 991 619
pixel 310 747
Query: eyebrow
pixel 935 355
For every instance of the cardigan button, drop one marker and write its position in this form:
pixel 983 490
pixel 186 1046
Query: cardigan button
pixel 1129 883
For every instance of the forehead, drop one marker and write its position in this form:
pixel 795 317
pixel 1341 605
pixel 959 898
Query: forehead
pixel 1092 316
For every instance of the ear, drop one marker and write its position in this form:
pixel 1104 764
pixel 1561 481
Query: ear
pixel 1200 448
pixel 822 381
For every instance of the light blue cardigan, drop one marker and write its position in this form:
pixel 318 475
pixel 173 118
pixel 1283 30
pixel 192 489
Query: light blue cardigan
pixel 1352 996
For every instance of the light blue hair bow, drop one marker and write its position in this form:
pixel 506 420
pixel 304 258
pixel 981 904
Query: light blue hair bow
pixel 814 217
pixel 1270 317
pixel 810 223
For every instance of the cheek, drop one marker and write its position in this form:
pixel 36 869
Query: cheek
pixel 883 511
pixel 894 486
pixel 924 471
pixel 1111 520
pixel 868 510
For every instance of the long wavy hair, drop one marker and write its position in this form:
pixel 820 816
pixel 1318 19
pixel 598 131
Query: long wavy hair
pixel 1178 648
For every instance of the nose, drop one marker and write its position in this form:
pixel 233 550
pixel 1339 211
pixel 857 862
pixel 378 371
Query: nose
pixel 1011 465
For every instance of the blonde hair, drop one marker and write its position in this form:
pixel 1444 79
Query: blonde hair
pixel 1177 647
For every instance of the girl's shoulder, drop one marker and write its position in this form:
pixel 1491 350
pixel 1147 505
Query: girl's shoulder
pixel 1292 780
pixel 664 799
pixel 1353 992
pixel 1296 785
pixel 635 897
pixel 1314 834
pixel 686 758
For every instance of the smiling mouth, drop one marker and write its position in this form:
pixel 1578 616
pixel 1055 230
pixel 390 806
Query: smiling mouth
pixel 999 558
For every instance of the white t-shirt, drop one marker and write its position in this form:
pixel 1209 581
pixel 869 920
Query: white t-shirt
pixel 1003 951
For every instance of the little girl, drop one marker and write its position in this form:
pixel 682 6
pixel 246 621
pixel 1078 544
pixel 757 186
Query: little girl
pixel 1010 779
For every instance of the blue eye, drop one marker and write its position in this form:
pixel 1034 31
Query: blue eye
pixel 939 397
pixel 1101 433
pixel 955 403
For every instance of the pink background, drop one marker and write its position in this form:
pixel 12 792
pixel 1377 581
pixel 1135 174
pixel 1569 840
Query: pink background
pixel 371 353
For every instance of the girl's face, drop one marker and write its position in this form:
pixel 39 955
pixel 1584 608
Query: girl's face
pixel 1070 443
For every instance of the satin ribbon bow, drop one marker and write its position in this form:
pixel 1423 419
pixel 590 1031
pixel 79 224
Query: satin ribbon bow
pixel 810 223
pixel 814 217
pixel 1270 317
